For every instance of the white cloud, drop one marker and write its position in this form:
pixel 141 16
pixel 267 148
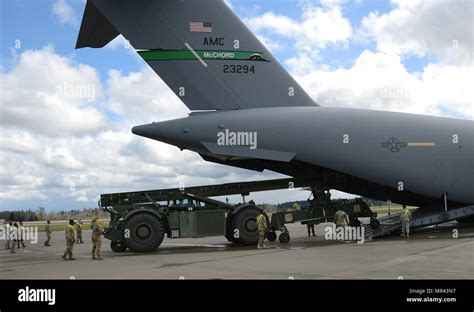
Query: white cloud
pixel 64 12
pixel 380 81
pixel 142 97
pixel 49 94
pixel 416 27
pixel 318 27
pixel 61 148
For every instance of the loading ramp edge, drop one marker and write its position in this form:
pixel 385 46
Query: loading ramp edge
pixel 390 224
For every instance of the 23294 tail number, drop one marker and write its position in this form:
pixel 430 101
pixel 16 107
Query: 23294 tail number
pixel 238 69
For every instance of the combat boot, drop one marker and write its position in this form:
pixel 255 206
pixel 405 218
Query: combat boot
pixel 99 257
pixel 94 257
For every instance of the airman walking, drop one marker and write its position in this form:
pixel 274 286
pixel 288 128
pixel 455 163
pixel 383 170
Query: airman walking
pixel 96 239
pixel 405 219
pixel 70 240
pixel 13 237
pixel 341 219
pixel 262 229
pixel 8 226
pixel 21 236
pixel 79 232
pixel 48 231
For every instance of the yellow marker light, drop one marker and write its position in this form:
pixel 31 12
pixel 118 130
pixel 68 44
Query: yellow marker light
pixel 421 144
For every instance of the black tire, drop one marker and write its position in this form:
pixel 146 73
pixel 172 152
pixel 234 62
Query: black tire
pixel 245 221
pixel 271 236
pixel 146 232
pixel 118 246
pixel 229 230
pixel 284 237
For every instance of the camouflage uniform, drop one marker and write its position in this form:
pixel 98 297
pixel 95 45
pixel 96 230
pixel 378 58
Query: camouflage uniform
pixel 7 231
pixel 262 226
pixel 405 218
pixel 48 231
pixel 96 240
pixel 341 218
pixel 13 238
pixel 70 240
pixel 21 236
pixel 79 233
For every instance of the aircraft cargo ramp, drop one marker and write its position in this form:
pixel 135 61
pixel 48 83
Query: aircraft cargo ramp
pixel 391 224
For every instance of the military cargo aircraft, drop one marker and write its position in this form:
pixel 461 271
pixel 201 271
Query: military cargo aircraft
pixel 247 111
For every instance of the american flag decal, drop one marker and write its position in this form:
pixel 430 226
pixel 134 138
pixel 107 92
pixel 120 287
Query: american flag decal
pixel 203 27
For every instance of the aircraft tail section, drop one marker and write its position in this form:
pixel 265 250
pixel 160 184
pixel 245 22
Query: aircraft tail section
pixel 202 51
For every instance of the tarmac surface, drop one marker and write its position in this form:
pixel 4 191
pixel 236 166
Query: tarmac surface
pixel 430 253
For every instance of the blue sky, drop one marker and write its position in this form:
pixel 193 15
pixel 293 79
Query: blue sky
pixel 356 51
pixel 32 22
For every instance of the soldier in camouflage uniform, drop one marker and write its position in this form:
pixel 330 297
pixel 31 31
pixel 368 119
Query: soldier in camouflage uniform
pixel 262 229
pixel 341 219
pixel 70 240
pixel 405 219
pixel 21 236
pixel 48 231
pixel 96 239
pixel 79 232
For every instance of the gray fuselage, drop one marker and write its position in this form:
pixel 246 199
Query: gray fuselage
pixel 420 154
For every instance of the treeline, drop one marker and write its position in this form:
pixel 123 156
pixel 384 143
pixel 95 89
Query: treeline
pixel 21 215
pixel 41 214
pixel 289 205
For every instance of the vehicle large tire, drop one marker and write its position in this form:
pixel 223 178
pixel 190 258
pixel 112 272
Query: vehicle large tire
pixel 284 237
pixel 245 221
pixel 271 236
pixel 229 229
pixel 146 232
pixel 118 246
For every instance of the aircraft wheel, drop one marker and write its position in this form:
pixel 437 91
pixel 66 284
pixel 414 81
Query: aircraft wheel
pixel 146 232
pixel 284 237
pixel 118 246
pixel 271 236
pixel 244 225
